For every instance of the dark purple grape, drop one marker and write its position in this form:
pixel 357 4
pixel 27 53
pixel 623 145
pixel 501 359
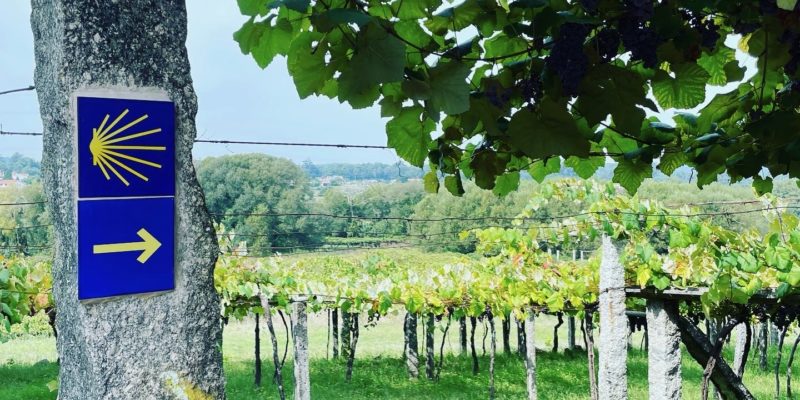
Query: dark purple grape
pixel 767 7
pixel 642 41
pixel 640 9
pixel 607 44
pixel 589 5
pixel 531 89
pixel 743 28
pixel 567 58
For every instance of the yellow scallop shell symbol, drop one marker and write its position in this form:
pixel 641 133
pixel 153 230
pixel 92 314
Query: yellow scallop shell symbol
pixel 106 152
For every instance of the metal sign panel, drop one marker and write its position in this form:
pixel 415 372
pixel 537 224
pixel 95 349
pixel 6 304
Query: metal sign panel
pixel 126 148
pixel 125 247
pixel 126 189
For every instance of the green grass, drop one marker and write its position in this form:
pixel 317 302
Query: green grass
pixel 27 364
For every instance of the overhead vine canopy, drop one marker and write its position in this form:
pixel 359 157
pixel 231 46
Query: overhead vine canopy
pixel 486 89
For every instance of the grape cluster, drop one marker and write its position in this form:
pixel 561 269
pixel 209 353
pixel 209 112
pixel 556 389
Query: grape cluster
pixel 639 9
pixel 793 38
pixel 642 41
pixel 708 30
pixel 767 7
pixel 607 43
pixel 531 88
pixel 589 5
pixel 498 95
pixel 567 58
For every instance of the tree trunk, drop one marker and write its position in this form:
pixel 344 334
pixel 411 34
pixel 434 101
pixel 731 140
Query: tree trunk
pixel 462 334
pixel 781 338
pixel 278 376
pixel 530 356
pixel 412 348
pixel 353 342
pixel 473 322
pixel 763 329
pixel 127 347
pixel 698 346
pixel 506 324
pixel 335 332
pixel 258 353
pixel 560 322
pixel 430 352
pixel 588 341
pixel 492 351
pixel 302 384
pixel 789 368
pixel 441 348
pixel 522 338
pixel 571 332
pixel 346 339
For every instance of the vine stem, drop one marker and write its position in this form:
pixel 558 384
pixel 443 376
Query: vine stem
pixel 275 359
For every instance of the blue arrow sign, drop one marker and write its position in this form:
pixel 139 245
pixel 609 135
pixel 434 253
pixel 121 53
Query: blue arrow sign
pixel 125 246
pixel 126 148
pixel 126 189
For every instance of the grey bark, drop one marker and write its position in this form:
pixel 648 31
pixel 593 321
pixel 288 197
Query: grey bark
pixel 347 325
pixel 613 343
pixel 492 352
pixel 258 352
pixel 588 341
pixel 664 356
pixel 353 342
pixel 278 375
pixel 134 347
pixel 302 384
pixel 412 348
pixel 560 317
pixel 781 338
pixel 473 322
pixel 740 335
pixel 430 352
pixel 530 356
pixel 773 334
pixel 335 332
pixel 462 334
pixel 571 332
pixel 506 325
pixel 763 327
pixel 521 338
pixel 698 346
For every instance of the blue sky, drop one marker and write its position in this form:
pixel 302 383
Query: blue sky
pixel 237 99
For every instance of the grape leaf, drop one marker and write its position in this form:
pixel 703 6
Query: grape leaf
pixel 549 131
pixel 307 67
pixel 409 135
pixel 449 90
pixel 631 173
pixel 506 183
pixel 715 64
pixel 379 58
pixel 454 185
pixel 686 90
pixel 275 40
pixel 431 182
pixel 585 168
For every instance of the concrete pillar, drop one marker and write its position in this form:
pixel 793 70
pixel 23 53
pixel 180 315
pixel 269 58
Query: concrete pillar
pixel 613 344
pixel 664 354
pixel 302 382
pixel 135 347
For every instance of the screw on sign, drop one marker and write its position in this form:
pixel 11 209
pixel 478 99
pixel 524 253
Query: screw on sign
pixel 126 195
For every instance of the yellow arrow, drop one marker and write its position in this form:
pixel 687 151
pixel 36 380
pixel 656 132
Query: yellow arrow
pixel 147 246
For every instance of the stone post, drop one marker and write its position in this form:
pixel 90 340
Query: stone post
pixel 530 355
pixel 664 353
pixel 740 335
pixel 160 346
pixel 613 344
pixel 302 382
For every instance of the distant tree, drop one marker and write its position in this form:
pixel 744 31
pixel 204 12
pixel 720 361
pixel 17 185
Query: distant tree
pixel 24 229
pixel 238 186
pixel 18 163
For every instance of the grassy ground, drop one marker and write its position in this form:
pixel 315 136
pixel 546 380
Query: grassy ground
pixel 28 364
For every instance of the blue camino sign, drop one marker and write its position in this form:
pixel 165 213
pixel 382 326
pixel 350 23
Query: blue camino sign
pixel 126 189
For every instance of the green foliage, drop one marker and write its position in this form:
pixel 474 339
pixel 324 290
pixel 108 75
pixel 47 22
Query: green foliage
pixel 524 90
pixel 237 186
pixel 25 284
pixel 24 229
